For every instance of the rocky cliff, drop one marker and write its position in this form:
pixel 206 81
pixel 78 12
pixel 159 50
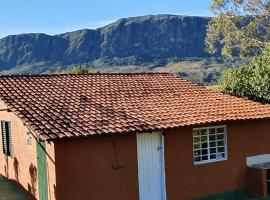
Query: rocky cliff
pixel 143 38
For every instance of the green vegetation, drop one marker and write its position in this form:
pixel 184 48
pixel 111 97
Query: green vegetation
pixel 242 27
pixel 206 71
pixel 251 81
pixel 214 87
pixel 203 71
pixel 78 70
pixel 239 27
pixel 234 195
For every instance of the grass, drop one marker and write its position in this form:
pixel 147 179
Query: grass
pixel 9 191
pixel 213 87
pixel 234 195
pixel 203 71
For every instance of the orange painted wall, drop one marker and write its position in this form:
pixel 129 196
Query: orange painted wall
pixel 257 184
pixel 50 158
pixel 84 167
pixel 22 167
pixel 185 180
pixel 97 168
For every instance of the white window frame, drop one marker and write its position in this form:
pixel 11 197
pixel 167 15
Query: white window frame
pixel 29 138
pixel 208 148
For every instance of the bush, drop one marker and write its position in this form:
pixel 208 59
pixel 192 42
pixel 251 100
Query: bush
pixel 79 70
pixel 251 81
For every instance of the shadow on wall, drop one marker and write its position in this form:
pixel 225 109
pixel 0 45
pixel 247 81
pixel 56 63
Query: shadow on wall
pixel 54 188
pixel 118 162
pixel 16 169
pixel 6 167
pixel 15 181
pixel 32 187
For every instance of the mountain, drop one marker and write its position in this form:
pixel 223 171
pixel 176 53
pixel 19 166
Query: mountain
pixel 170 43
pixel 146 38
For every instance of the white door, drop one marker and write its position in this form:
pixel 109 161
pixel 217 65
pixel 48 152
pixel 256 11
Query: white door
pixel 151 171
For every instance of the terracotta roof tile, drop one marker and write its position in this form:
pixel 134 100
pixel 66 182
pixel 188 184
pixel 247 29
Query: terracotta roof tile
pixel 57 106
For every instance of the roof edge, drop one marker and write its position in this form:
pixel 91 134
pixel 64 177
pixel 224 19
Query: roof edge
pixel 95 73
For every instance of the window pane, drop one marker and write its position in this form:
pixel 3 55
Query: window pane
pixel 197 146
pixel 204 132
pixel 196 139
pixel 220 155
pixel 220 130
pixel 220 143
pixel 220 137
pixel 204 139
pixel 204 145
pixel 213 156
pixel 197 158
pixel 220 149
pixel 212 144
pixel 212 137
pixel 197 153
pixel 196 133
pixel 213 150
pixel 212 131
pixel 204 157
pixel 204 151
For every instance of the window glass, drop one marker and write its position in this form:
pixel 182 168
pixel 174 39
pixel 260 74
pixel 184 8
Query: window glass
pixel 209 144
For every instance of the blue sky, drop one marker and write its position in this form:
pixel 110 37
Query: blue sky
pixel 58 16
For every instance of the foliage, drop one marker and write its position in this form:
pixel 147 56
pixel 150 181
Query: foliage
pixel 58 70
pixel 251 81
pixel 240 27
pixel 204 71
pixel 78 70
pixel 241 194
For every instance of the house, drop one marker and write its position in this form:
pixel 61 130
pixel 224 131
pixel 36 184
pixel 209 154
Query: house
pixel 147 136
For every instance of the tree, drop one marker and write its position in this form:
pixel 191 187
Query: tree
pixel 58 70
pixel 251 81
pixel 78 70
pixel 240 27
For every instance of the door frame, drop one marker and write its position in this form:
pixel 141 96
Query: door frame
pixel 164 195
pixel 163 170
pixel 42 170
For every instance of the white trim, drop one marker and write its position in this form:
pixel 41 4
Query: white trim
pixel 206 127
pixel 210 161
pixel 143 161
pixel 164 195
pixel 225 145
pixel 258 159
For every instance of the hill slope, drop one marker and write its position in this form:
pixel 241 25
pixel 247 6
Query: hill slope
pixel 132 40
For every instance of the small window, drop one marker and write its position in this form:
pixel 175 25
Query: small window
pixel 209 144
pixel 29 139
pixel 6 137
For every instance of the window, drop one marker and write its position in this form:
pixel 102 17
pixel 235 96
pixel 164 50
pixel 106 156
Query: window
pixel 6 137
pixel 209 144
pixel 29 139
